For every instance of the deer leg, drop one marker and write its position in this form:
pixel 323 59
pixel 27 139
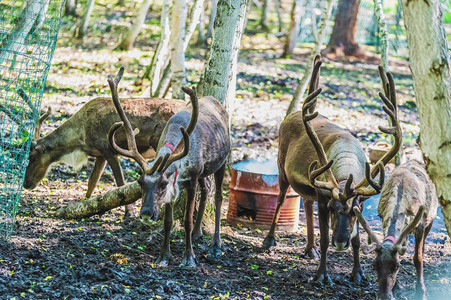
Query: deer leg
pixel 418 261
pixel 99 166
pixel 270 240
pixel 197 231
pixel 188 255
pixel 113 161
pixel 215 248
pixel 357 272
pixel 323 216
pixel 165 252
pixel 311 250
pixel 426 232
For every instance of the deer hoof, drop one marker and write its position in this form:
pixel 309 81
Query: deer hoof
pixel 312 252
pixel 269 242
pixel 188 260
pixel 323 277
pixel 214 252
pixel 163 259
pixel 357 276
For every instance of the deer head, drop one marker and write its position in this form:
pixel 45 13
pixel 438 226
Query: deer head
pixel 158 181
pixel 387 253
pixel 344 196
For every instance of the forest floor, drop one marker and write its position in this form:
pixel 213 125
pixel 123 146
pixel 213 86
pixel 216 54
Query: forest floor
pixel 106 257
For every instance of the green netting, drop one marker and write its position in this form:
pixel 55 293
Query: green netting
pixel 367 31
pixel 28 34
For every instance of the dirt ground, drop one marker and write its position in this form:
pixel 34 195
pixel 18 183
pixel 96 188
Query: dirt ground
pixel 105 257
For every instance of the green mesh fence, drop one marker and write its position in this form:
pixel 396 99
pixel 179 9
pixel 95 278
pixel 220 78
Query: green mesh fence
pixel 367 31
pixel 28 34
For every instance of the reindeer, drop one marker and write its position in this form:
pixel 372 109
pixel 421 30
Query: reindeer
pixel 408 204
pixel 185 157
pixel 304 138
pixel 86 134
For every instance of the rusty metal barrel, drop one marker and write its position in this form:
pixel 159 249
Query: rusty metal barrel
pixel 254 187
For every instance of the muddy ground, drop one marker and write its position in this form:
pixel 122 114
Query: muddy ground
pixel 105 257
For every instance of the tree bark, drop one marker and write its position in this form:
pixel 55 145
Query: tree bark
pixel 278 8
pixel 123 195
pixel 300 90
pixel 130 37
pixel 342 41
pixel 215 78
pixel 179 11
pixel 429 63
pixel 265 11
pixel 293 32
pixel 214 8
pixel 85 20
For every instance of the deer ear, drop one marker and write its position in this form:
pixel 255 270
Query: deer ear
pixel 400 249
pixel 40 148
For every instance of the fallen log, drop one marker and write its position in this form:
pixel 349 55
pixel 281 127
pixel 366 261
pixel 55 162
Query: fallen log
pixel 98 205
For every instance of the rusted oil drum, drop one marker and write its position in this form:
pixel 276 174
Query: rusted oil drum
pixel 254 188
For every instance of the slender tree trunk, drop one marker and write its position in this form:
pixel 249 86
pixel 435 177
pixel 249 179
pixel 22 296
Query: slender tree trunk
pixel 231 89
pixel 265 11
pixel 342 39
pixel 379 12
pixel 162 52
pixel 215 78
pixel 278 9
pixel 429 63
pixel 300 90
pixel 179 11
pixel 70 8
pixel 201 31
pixel 295 23
pixel 129 38
pixel 214 8
pixel 85 20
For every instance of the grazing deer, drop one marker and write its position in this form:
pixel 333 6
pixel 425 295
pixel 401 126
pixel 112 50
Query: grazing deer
pixel 86 134
pixel 185 157
pixel 408 204
pixel 305 138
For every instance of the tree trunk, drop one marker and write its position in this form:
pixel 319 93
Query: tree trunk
pixel 85 20
pixel 263 19
pixel 130 37
pixel 298 94
pixel 123 195
pixel 177 50
pixel 162 53
pixel 70 8
pixel 231 89
pixel 215 78
pixel 293 32
pixel 429 63
pixel 201 30
pixel 342 41
pixel 214 8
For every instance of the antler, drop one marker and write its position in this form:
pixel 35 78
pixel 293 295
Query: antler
pixel 405 232
pixel 390 109
pixel 367 228
pixel 42 118
pixel 131 134
pixel 191 92
pixel 309 114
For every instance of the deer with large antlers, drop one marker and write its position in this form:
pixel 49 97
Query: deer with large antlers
pixel 194 144
pixel 408 204
pixel 306 138
pixel 86 134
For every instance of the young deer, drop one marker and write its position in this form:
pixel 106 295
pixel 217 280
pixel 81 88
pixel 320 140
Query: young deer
pixel 86 134
pixel 408 204
pixel 305 138
pixel 185 157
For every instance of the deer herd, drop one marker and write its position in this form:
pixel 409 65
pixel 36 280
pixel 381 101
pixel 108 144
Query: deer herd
pixel 320 160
